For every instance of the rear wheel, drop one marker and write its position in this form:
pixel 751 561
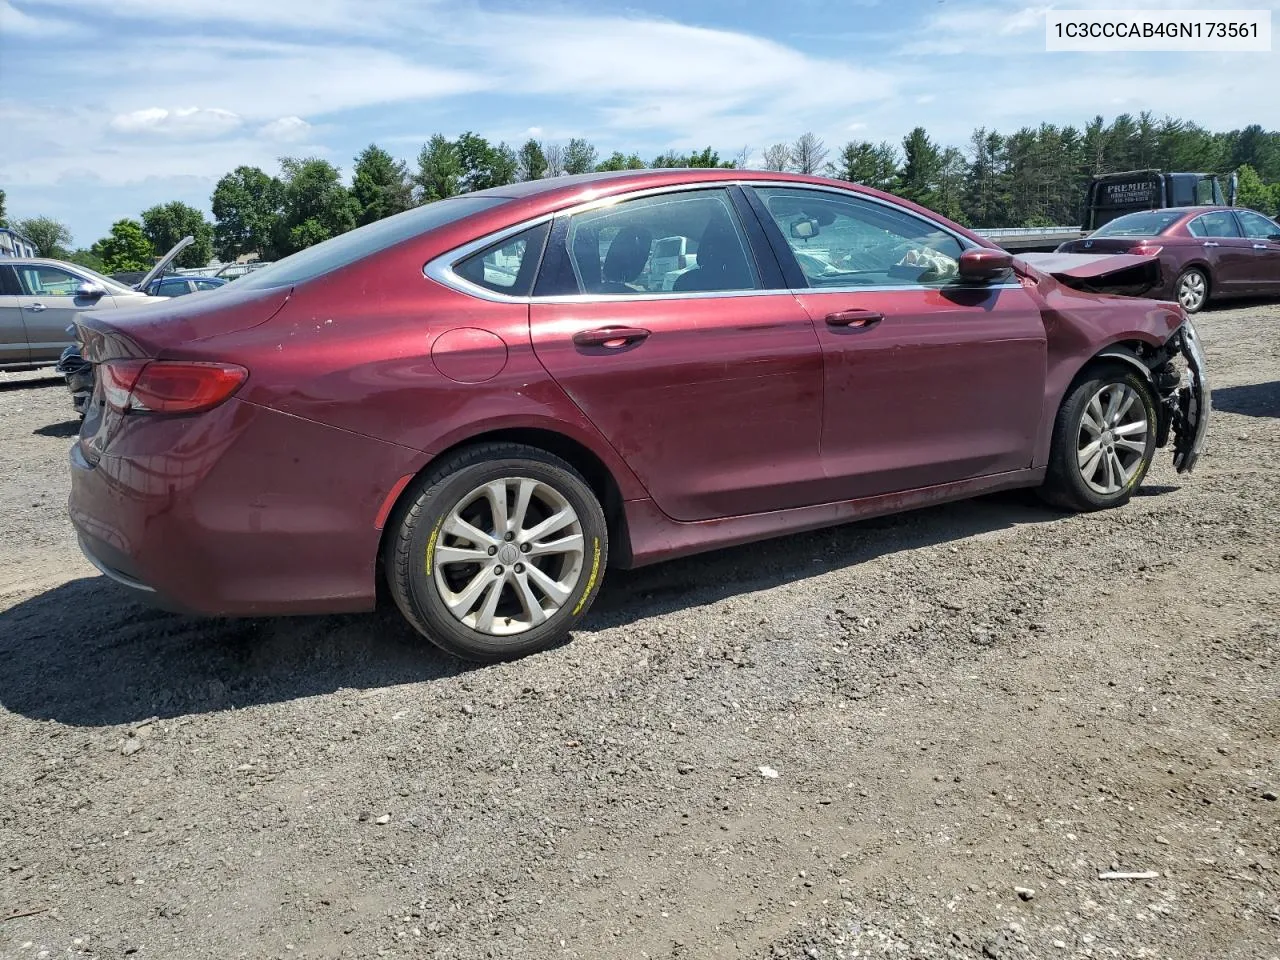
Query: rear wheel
pixel 499 553
pixel 1192 289
pixel 1103 441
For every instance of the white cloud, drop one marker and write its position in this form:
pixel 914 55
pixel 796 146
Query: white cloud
pixel 190 123
pixel 286 129
pixel 337 74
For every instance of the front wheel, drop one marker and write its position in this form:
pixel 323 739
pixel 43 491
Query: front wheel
pixel 499 553
pixel 1103 441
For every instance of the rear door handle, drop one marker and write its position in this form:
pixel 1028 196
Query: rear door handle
pixel 612 337
pixel 854 318
pixel 1211 243
pixel 37 307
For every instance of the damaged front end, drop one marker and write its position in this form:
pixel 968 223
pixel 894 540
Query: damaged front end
pixel 1179 373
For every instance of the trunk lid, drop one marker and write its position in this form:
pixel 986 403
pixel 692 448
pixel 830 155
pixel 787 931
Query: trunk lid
pixel 1095 245
pixel 1122 274
pixel 147 330
pixel 164 262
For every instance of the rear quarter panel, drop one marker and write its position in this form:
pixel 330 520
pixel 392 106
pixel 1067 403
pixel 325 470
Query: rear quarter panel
pixel 354 350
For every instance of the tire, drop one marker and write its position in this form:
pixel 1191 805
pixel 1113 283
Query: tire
pixel 1191 289
pixel 441 580
pixel 1118 464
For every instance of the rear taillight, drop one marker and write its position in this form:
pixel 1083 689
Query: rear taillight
pixel 169 386
pixel 1146 249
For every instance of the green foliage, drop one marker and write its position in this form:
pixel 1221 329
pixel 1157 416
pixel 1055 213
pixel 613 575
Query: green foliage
pixel 439 170
pixel 4 219
pixel 867 163
pixel 619 161
pixel 531 161
pixel 921 171
pixel 669 160
pixel 165 225
pixel 579 156
pixel 1252 192
pixel 86 258
pixel 380 185
pixel 1035 175
pixel 49 236
pixel 246 205
pixel 708 158
pixel 484 165
pixel 316 204
pixel 125 248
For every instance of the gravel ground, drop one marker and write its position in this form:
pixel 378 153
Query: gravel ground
pixel 919 737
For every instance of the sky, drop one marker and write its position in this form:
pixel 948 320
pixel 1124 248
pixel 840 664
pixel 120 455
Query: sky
pixel 110 106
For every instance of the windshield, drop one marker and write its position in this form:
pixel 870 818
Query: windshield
pixel 1149 223
pixel 357 244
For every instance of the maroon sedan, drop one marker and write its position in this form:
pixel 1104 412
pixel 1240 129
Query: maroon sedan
pixel 487 400
pixel 1204 252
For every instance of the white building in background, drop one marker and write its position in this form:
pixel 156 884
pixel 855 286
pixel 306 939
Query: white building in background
pixel 14 244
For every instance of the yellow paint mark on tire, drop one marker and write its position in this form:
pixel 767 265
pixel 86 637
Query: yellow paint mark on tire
pixel 591 581
pixel 431 545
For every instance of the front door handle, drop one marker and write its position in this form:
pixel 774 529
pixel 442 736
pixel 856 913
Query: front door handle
pixel 1261 246
pixel 1211 243
pixel 612 337
pixel 854 318
pixel 37 307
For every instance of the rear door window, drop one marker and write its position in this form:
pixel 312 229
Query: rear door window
pixel 614 250
pixel 173 288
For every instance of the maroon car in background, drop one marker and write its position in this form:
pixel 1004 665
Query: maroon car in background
pixel 1205 253
pixel 487 400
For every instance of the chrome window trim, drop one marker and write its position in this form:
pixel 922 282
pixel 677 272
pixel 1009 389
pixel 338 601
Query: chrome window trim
pixel 440 268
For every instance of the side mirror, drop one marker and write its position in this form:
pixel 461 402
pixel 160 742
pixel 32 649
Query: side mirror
pixel 1274 238
pixel 982 264
pixel 805 228
pixel 90 291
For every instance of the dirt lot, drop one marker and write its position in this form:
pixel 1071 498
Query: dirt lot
pixel 920 737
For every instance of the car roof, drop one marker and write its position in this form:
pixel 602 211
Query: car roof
pixel 39 262
pixel 621 181
pixel 539 197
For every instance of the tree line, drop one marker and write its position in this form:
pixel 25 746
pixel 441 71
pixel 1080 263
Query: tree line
pixel 1035 176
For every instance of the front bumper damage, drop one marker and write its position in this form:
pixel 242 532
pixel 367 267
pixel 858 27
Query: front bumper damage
pixel 1180 375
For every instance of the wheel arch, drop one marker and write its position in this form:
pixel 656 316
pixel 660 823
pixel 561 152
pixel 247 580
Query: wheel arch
pixel 600 478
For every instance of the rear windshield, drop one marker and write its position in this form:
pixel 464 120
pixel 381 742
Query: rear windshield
pixel 357 244
pixel 1149 223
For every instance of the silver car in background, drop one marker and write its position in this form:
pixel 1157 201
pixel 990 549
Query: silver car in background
pixel 40 298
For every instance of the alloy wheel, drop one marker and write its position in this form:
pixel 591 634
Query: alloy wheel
pixel 1112 440
pixel 508 556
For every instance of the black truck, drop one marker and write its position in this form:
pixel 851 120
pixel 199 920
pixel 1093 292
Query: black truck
pixel 1112 195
